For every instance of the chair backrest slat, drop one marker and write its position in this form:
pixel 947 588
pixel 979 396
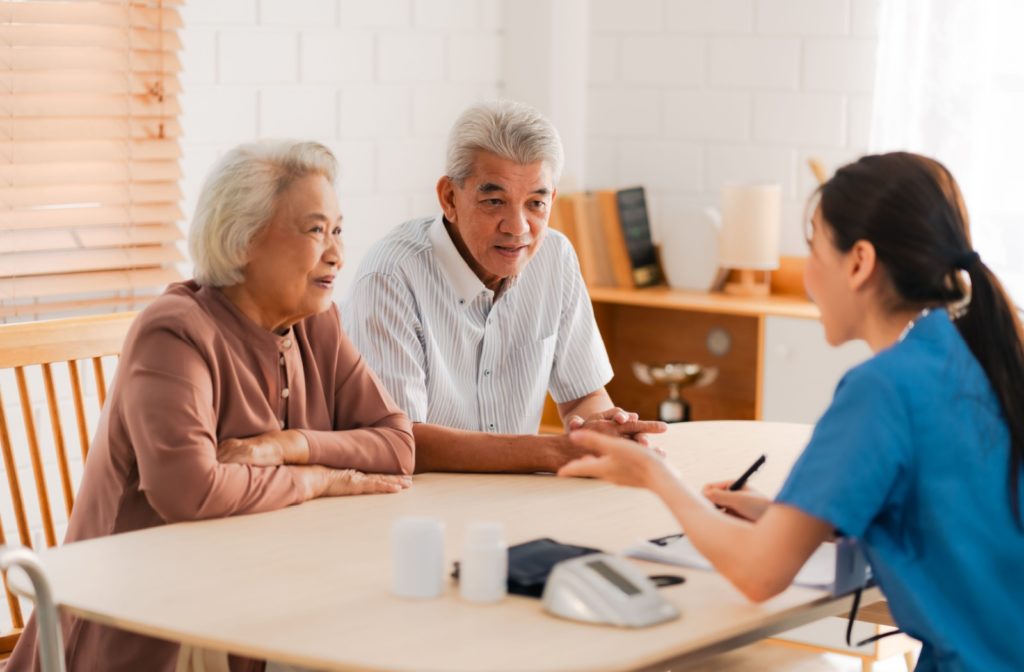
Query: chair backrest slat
pixel 11 469
pixel 35 458
pixel 17 620
pixel 58 439
pixel 76 395
pixel 101 383
pixel 25 348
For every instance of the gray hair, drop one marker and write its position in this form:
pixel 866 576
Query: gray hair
pixel 511 130
pixel 238 199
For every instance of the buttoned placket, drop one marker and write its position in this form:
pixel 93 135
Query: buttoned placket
pixel 490 350
pixel 285 345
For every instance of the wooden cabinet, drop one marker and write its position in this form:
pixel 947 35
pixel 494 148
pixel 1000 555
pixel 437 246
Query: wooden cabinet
pixel 801 370
pixel 772 358
pixel 659 325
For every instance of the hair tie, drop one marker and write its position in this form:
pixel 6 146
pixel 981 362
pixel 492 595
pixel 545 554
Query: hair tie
pixel 966 260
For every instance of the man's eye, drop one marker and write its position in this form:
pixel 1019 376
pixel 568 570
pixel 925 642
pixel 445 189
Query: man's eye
pixel 493 201
pixel 336 232
pixel 318 228
pixel 539 204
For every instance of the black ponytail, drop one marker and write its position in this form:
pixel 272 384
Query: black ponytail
pixel 993 332
pixel 910 209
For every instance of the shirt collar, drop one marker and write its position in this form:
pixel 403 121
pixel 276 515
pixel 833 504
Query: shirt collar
pixel 464 282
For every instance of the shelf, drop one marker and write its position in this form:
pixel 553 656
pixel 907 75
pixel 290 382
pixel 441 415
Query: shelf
pixel 707 302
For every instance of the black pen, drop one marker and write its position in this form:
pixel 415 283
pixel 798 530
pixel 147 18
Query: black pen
pixel 736 485
pixel 742 480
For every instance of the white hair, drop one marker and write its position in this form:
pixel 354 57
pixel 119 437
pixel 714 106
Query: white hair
pixel 511 130
pixel 238 199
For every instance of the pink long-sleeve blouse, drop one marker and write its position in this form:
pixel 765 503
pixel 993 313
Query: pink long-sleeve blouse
pixel 195 371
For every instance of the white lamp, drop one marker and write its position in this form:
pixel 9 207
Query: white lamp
pixel 749 241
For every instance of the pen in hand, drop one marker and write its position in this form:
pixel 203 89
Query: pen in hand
pixel 736 485
pixel 742 480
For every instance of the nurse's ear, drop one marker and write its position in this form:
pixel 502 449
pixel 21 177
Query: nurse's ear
pixel 861 265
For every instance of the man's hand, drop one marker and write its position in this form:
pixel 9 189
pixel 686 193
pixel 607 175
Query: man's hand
pixel 617 422
pixel 266 450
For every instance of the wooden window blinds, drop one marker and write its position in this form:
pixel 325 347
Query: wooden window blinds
pixel 89 193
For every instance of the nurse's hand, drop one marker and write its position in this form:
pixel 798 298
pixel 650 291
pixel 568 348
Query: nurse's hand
pixel 616 460
pixel 618 422
pixel 747 503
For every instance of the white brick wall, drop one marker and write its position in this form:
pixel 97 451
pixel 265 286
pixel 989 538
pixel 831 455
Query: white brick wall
pixel 803 17
pixel 708 115
pixel 683 95
pixel 635 16
pixel 668 60
pixel 839 65
pixel 379 82
pixel 327 56
pixel 718 91
pixel 800 119
pixel 257 55
pixel 710 16
pixel 755 63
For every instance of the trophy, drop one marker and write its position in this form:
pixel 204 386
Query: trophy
pixel 676 375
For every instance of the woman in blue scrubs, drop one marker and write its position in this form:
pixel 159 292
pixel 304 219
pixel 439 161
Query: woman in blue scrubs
pixel 920 454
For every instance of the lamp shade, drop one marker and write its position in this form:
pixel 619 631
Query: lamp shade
pixel 750 226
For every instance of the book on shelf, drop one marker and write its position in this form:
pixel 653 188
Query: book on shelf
pixel 635 228
pixel 576 215
pixel 610 231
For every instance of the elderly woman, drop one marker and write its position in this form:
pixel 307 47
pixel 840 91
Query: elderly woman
pixel 237 392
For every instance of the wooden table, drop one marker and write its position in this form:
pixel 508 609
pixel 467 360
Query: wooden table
pixel 309 585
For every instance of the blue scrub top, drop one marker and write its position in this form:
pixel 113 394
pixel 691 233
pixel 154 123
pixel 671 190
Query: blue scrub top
pixel 912 459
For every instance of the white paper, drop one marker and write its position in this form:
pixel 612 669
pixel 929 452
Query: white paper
pixel 818 572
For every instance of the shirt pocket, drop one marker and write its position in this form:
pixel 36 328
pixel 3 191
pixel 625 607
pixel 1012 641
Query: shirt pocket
pixel 537 355
pixel 530 364
pixel 528 373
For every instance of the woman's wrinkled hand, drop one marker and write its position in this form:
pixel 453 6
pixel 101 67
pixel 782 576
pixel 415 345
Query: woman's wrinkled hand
pixel 319 481
pixel 266 450
pixel 747 503
pixel 618 422
pixel 615 460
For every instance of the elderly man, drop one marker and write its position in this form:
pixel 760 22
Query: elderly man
pixel 471 316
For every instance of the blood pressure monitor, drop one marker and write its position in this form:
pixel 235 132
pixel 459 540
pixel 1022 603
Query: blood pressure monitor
pixel 602 588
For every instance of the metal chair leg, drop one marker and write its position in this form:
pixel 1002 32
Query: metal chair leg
pixel 51 644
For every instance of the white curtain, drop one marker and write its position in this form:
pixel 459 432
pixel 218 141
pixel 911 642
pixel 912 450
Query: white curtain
pixel 950 84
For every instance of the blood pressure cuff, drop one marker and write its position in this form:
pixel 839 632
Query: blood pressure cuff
pixel 530 563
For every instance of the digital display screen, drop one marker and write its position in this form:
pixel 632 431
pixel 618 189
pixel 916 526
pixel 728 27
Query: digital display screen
pixel 614 577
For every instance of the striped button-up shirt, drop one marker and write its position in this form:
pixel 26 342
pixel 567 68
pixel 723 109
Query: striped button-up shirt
pixel 450 354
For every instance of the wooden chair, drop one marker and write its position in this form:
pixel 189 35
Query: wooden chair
pixel 72 342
